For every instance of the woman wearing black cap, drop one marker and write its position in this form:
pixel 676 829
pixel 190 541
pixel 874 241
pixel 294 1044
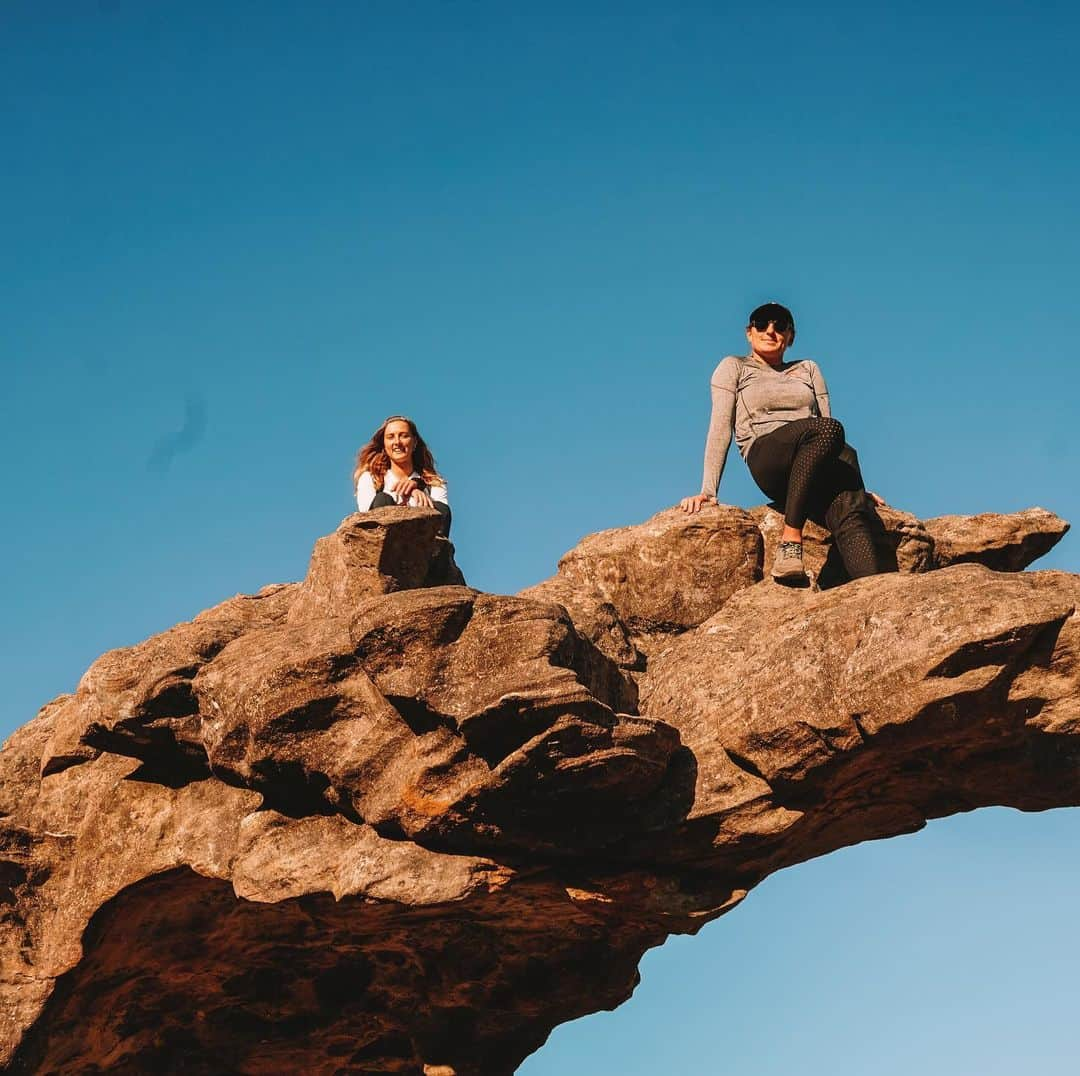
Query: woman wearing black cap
pixel 779 412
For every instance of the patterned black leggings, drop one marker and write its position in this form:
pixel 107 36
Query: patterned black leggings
pixel 807 468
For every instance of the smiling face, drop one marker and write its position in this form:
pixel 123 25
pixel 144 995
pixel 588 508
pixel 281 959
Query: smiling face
pixel 769 343
pixel 399 443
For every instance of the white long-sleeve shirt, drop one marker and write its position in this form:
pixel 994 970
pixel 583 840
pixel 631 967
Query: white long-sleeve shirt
pixel 365 491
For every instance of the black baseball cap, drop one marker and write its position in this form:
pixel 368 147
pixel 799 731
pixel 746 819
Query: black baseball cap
pixel 779 315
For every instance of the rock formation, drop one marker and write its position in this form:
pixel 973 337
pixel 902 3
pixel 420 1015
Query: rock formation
pixel 378 821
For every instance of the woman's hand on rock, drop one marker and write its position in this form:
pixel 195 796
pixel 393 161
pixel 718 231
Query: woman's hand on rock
pixel 422 499
pixel 405 490
pixel 693 504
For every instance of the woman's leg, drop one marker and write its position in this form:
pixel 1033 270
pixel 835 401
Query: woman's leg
pixel 852 521
pixel 788 463
pixel 849 515
pixel 383 500
pixel 444 511
pixel 834 497
pixel 844 508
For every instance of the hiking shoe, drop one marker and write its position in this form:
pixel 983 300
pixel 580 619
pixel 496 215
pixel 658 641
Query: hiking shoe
pixel 788 565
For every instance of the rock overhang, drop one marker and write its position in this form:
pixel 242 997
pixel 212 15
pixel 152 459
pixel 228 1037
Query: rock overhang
pixel 551 782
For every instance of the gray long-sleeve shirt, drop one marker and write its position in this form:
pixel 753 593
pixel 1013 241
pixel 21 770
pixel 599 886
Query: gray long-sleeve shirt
pixel 753 398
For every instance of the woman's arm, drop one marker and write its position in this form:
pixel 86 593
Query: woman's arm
pixel 434 497
pixel 723 385
pixel 821 392
pixel 365 491
pixel 424 495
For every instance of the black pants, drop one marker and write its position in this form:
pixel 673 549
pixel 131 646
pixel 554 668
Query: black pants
pixel 384 500
pixel 808 469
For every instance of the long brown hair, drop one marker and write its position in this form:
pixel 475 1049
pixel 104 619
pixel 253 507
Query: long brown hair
pixel 373 458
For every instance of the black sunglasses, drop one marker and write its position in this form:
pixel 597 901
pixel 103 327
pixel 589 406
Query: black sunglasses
pixel 781 322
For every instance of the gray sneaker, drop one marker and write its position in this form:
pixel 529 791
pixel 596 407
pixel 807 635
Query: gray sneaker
pixel 788 565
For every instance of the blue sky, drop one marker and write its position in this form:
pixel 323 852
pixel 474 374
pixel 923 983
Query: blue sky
pixel 233 242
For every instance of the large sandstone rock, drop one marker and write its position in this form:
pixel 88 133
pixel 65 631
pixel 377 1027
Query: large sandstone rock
pixel 378 821
pixel 821 719
pixel 1006 543
pixel 623 588
pixel 669 573
pixel 375 553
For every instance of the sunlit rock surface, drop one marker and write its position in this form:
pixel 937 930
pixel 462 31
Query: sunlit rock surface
pixel 378 821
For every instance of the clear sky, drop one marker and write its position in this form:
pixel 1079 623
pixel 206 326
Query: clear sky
pixel 235 237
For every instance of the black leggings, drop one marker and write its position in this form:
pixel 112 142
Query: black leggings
pixel 384 500
pixel 798 462
pixel 807 468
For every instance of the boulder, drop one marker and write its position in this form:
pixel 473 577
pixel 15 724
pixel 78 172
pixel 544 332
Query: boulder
pixel 669 573
pixel 378 821
pixel 1006 543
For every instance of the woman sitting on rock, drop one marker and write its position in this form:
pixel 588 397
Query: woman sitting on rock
pixel 779 412
pixel 396 467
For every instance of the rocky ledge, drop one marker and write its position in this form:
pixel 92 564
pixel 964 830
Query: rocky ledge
pixel 378 821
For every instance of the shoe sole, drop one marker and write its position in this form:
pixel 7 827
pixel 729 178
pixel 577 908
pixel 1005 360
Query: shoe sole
pixel 793 579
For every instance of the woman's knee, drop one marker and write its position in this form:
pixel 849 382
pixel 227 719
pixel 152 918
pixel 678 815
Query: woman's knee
pixel 831 431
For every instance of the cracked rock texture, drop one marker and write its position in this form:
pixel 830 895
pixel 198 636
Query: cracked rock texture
pixel 378 821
